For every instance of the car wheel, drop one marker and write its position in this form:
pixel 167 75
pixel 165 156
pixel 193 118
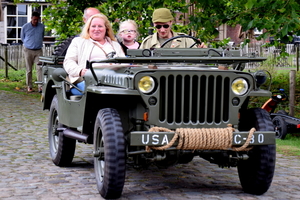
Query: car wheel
pixel 280 127
pixel 283 112
pixel 109 154
pixel 186 158
pixel 62 149
pixel 256 173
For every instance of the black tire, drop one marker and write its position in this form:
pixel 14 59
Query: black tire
pixel 61 49
pixel 256 173
pixel 62 149
pixel 280 127
pixel 110 163
pixel 186 158
pixel 283 112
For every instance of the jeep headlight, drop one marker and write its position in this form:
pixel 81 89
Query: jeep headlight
pixel 239 86
pixel 146 84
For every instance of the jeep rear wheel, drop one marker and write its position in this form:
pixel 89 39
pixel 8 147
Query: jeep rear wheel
pixel 62 149
pixel 109 154
pixel 256 173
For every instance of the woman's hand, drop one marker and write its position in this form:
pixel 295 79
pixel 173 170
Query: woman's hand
pixel 82 72
pixel 202 45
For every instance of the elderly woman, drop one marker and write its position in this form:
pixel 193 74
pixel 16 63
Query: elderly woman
pixel 96 42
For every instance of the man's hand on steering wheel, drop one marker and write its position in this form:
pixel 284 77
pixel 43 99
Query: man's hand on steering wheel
pixel 197 41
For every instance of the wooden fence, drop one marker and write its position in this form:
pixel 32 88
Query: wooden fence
pixel 273 55
pixel 16 59
pixel 15 55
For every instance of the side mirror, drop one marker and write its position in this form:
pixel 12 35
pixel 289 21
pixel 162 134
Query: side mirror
pixel 59 74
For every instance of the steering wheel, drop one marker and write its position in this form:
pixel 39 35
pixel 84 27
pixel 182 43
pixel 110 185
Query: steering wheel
pixel 197 41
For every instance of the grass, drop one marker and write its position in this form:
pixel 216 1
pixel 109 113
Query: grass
pixel 16 82
pixel 289 146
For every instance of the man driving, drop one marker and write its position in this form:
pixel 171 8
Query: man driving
pixel 162 20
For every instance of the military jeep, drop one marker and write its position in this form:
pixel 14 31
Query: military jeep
pixel 162 107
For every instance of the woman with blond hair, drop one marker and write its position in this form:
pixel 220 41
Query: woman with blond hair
pixel 96 42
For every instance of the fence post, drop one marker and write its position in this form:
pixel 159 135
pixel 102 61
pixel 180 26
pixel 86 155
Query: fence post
pixel 6 63
pixel 297 57
pixel 260 50
pixel 20 57
pixel 292 92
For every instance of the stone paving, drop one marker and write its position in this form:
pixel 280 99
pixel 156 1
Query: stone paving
pixel 27 172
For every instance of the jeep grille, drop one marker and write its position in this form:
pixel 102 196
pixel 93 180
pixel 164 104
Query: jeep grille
pixel 194 99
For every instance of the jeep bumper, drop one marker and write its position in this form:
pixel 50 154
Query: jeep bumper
pixel 142 138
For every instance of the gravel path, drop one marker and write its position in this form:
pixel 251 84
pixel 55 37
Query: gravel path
pixel 27 171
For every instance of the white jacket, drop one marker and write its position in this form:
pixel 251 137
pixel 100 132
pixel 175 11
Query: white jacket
pixel 79 52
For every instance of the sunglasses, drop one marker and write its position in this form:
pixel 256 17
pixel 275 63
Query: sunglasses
pixel 165 26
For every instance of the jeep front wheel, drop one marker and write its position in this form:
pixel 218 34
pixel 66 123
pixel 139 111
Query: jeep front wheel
pixel 256 173
pixel 109 154
pixel 62 149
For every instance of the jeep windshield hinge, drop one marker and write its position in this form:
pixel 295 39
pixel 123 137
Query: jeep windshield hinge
pixel 89 65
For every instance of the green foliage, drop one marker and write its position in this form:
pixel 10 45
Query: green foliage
pixel 222 43
pixel 280 79
pixel 83 4
pixel 280 19
pixel 14 76
pixel 141 11
pixel 64 20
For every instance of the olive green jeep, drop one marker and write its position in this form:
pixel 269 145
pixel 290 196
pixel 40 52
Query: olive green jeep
pixel 162 107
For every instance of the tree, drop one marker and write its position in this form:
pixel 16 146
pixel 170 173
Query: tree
pixel 64 18
pixel 279 18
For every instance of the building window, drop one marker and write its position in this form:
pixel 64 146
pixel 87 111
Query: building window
pixel 16 18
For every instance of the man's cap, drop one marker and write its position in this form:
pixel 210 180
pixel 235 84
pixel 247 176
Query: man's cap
pixel 162 15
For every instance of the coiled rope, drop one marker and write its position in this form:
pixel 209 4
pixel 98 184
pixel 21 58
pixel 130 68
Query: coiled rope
pixel 202 138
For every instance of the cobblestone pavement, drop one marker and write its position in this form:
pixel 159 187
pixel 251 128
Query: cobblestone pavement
pixel 27 172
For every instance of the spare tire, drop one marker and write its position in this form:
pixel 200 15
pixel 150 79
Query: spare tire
pixel 61 49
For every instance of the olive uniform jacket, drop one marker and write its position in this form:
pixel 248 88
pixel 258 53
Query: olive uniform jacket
pixel 152 42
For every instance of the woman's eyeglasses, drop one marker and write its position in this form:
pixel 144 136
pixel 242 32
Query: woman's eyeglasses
pixel 165 26
pixel 128 31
